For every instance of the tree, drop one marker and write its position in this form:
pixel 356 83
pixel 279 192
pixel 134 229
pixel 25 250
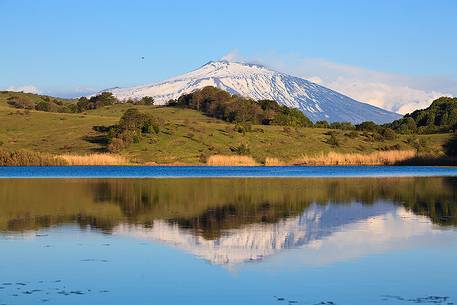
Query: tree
pixel 388 134
pixel 440 116
pixel 342 125
pixel 84 104
pixel 146 100
pixel 103 99
pixel 450 148
pixel 322 124
pixel 367 126
pixel 239 110
pixel 130 128
pixel 45 106
pixel 292 117
pixel 333 140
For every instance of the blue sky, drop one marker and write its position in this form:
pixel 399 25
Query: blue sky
pixel 64 47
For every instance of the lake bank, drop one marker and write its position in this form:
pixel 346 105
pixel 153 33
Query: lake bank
pixel 379 158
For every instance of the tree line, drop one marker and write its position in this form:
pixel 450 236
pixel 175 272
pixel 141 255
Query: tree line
pixel 49 104
pixel 439 117
pixel 242 111
pixel 246 112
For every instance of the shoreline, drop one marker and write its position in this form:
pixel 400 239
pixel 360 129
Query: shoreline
pixel 378 158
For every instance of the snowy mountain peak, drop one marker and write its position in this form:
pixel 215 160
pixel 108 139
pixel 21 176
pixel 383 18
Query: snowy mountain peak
pixel 259 82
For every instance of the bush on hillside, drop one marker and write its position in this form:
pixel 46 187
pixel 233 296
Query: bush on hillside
pixel 369 126
pixel 96 101
pixel 146 100
pixel 28 158
pixel 130 128
pixel 322 124
pixel 342 125
pixel 21 102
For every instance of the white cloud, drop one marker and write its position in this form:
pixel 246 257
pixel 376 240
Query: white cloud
pixel 26 88
pixel 395 92
pixel 65 92
pixel 233 55
pixel 398 98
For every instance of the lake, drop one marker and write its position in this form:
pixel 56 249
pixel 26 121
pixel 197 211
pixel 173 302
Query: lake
pixel 368 235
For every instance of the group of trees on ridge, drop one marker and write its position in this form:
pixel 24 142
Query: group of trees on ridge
pixel 439 117
pixel 106 99
pixel 243 112
pixel 49 104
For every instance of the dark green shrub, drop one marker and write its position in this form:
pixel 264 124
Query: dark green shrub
pixel 450 148
pixel 367 126
pixel 116 145
pixel 322 124
pixel 333 140
pixel 352 134
pixel 146 100
pixel 389 133
pixel 21 102
pixel 342 125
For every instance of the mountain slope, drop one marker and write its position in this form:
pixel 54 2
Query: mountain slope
pixel 258 82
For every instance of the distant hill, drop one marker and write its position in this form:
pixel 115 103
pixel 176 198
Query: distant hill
pixel 260 83
pixel 439 117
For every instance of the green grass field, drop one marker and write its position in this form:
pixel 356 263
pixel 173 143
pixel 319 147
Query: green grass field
pixel 186 137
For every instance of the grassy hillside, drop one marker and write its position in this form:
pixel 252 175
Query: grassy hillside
pixel 187 136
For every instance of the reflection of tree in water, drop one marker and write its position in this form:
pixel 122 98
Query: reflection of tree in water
pixel 209 206
pixel 213 222
pixel 212 206
pixel 437 203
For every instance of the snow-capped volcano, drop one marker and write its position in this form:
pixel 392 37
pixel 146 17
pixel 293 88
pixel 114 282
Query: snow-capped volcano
pixel 258 82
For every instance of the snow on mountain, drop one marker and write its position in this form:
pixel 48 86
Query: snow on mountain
pixel 258 82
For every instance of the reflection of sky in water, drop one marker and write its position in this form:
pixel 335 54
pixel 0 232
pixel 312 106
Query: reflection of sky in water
pixel 348 254
pixel 321 235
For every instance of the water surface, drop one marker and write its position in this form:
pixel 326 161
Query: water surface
pixel 223 171
pixel 359 240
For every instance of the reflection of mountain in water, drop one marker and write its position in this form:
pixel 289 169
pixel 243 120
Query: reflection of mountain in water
pixel 256 241
pixel 229 220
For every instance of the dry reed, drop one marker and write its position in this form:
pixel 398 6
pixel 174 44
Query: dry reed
pixel 269 161
pixel 376 158
pixel 95 159
pixel 221 160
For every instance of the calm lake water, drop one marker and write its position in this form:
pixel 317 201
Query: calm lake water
pixel 353 240
pixel 222 171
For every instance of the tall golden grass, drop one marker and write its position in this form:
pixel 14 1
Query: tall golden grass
pixel 269 161
pixel 95 159
pixel 376 158
pixel 221 160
